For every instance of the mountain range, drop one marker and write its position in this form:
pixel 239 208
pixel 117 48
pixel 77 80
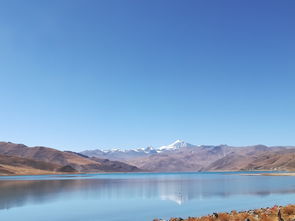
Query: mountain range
pixel 126 154
pixel 20 159
pixel 183 156
pixel 16 159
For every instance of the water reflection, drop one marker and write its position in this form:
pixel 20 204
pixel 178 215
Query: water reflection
pixel 178 188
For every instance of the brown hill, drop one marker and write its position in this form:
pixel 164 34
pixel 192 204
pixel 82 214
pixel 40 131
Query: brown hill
pixel 10 165
pixel 17 156
pixel 42 154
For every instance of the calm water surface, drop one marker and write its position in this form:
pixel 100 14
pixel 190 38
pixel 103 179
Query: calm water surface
pixel 125 197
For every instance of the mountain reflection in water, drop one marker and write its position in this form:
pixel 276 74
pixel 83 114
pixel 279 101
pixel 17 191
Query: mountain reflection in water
pixel 176 188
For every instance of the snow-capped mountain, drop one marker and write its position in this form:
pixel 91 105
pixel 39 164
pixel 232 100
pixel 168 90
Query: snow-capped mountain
pixel 174 146
pixel 182 156
pixel 146 150
pixel 125 154
pixel 120 154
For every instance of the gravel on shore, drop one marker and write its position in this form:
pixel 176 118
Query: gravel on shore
pixel 275 213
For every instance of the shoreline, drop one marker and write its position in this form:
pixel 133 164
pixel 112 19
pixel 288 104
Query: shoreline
pixel 275 213
pixel 241 173
pixel 270 174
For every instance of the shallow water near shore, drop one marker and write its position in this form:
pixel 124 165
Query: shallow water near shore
pixel 139 196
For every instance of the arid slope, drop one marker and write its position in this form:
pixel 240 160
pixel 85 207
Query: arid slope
pixel 20 159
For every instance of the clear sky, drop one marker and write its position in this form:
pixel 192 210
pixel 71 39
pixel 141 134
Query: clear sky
pixel 104 73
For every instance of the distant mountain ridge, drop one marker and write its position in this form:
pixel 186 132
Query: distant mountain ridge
pixel 175 157
pixel 125 154
pixel 183 156
pixel 20 159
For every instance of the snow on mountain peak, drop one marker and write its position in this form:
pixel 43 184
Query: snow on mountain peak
pixel 178 143
pixel 148 150
pixel 175 145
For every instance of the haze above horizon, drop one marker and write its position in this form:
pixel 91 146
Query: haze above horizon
pixel 81 75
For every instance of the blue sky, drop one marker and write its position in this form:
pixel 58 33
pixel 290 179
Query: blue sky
pixel 87 74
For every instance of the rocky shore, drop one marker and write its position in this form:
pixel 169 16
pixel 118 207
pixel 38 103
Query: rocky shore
pixel 275 213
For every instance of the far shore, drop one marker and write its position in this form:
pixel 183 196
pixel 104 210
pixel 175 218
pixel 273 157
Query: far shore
pixel 269 174
pixel 244 173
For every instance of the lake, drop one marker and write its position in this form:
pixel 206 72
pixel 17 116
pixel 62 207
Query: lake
pixel 139 197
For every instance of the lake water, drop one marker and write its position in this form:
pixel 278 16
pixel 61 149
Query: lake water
pixel 139 197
